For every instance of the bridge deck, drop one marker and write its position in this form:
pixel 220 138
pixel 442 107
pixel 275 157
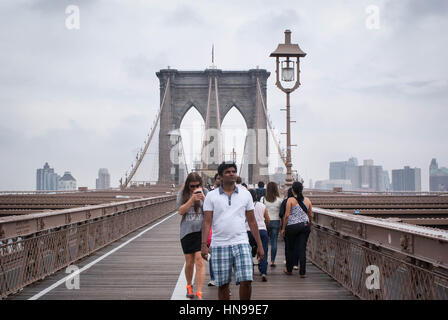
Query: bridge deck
pixel 148 263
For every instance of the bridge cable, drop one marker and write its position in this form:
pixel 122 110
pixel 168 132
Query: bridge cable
pixel 140 159
pixel 282 156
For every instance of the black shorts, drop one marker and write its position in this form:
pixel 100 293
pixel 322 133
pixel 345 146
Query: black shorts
pixel 191 243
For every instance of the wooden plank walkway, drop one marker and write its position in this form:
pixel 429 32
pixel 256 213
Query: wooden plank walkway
pixel 149 268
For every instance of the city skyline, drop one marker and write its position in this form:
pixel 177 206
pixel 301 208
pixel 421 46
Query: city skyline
pixel 83 98
pixel 345 173
pixel 48 180
pixel 104 179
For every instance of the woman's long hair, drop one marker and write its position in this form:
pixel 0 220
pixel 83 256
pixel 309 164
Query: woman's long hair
pixel 289 194
pixel 192 177
pixel 272 192
pixel 298 189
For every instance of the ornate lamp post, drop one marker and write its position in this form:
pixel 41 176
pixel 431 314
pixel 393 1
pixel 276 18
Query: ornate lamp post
pixel 288 54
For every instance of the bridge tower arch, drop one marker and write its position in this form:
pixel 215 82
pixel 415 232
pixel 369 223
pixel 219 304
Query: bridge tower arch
pixel 213 92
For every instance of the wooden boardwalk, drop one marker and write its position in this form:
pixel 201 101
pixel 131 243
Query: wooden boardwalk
pixel 148 266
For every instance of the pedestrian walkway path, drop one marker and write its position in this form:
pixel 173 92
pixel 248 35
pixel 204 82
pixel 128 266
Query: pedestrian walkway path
pixel 148 264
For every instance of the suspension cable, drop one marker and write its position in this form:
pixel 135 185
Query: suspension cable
pixel 140 159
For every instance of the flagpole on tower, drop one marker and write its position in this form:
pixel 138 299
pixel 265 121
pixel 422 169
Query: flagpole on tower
pixel 213 57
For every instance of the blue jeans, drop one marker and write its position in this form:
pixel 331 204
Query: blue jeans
pixel 263 265
pixel 273 229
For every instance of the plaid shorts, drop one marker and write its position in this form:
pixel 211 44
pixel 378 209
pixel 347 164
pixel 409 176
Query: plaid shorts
pixel 225 258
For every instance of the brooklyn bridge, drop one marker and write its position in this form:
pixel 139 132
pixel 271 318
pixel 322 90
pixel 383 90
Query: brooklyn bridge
pixel 123 243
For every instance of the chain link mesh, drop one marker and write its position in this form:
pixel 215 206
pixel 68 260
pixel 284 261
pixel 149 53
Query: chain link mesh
pixel 32 258
pixel 354 266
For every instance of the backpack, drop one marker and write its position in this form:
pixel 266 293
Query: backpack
pixel 282 210
pixel 260 192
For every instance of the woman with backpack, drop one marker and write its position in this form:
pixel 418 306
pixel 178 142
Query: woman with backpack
pixel 282 215
pixel 272 201
pixel 297 227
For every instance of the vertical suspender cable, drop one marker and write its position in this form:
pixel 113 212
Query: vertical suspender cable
pixel 140 159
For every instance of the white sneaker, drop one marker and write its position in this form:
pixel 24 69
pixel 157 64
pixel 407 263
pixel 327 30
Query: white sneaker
pixel 211 283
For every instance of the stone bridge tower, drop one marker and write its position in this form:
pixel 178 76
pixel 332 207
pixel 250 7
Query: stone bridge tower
pixel 213 93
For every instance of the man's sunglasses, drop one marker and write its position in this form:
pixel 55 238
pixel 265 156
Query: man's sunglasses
pixel 194 186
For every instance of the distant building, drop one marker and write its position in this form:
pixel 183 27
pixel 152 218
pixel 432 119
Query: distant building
pixel 103 180
pixel 369 177
pixel 67 182
pixel 438 177
pixel 337 170
pixel 346 185
pixel 46 178
pixel 366 177
pixel 344 170
pixel 386 181
pixel 406 179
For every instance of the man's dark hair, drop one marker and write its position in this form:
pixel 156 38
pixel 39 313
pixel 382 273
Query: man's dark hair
pixel 261 184
pixel 225 165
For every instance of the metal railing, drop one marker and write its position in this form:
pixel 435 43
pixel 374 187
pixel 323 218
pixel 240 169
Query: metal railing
pixel 37 245
pixel 378 259
pixel 373 258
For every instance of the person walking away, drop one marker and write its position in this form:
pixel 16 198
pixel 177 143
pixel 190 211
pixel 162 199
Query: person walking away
pixel 262 218
pixel 282 215
pixel 297 228
pixel 261 191
pixel 190 201
pixel 226 209
pixel 273 202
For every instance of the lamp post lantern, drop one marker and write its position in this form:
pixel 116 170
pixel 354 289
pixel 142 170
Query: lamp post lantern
pixel 288 54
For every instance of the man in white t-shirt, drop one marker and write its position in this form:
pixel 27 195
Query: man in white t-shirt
pixel 226 210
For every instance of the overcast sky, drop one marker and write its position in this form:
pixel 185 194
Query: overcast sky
pixel 85 99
